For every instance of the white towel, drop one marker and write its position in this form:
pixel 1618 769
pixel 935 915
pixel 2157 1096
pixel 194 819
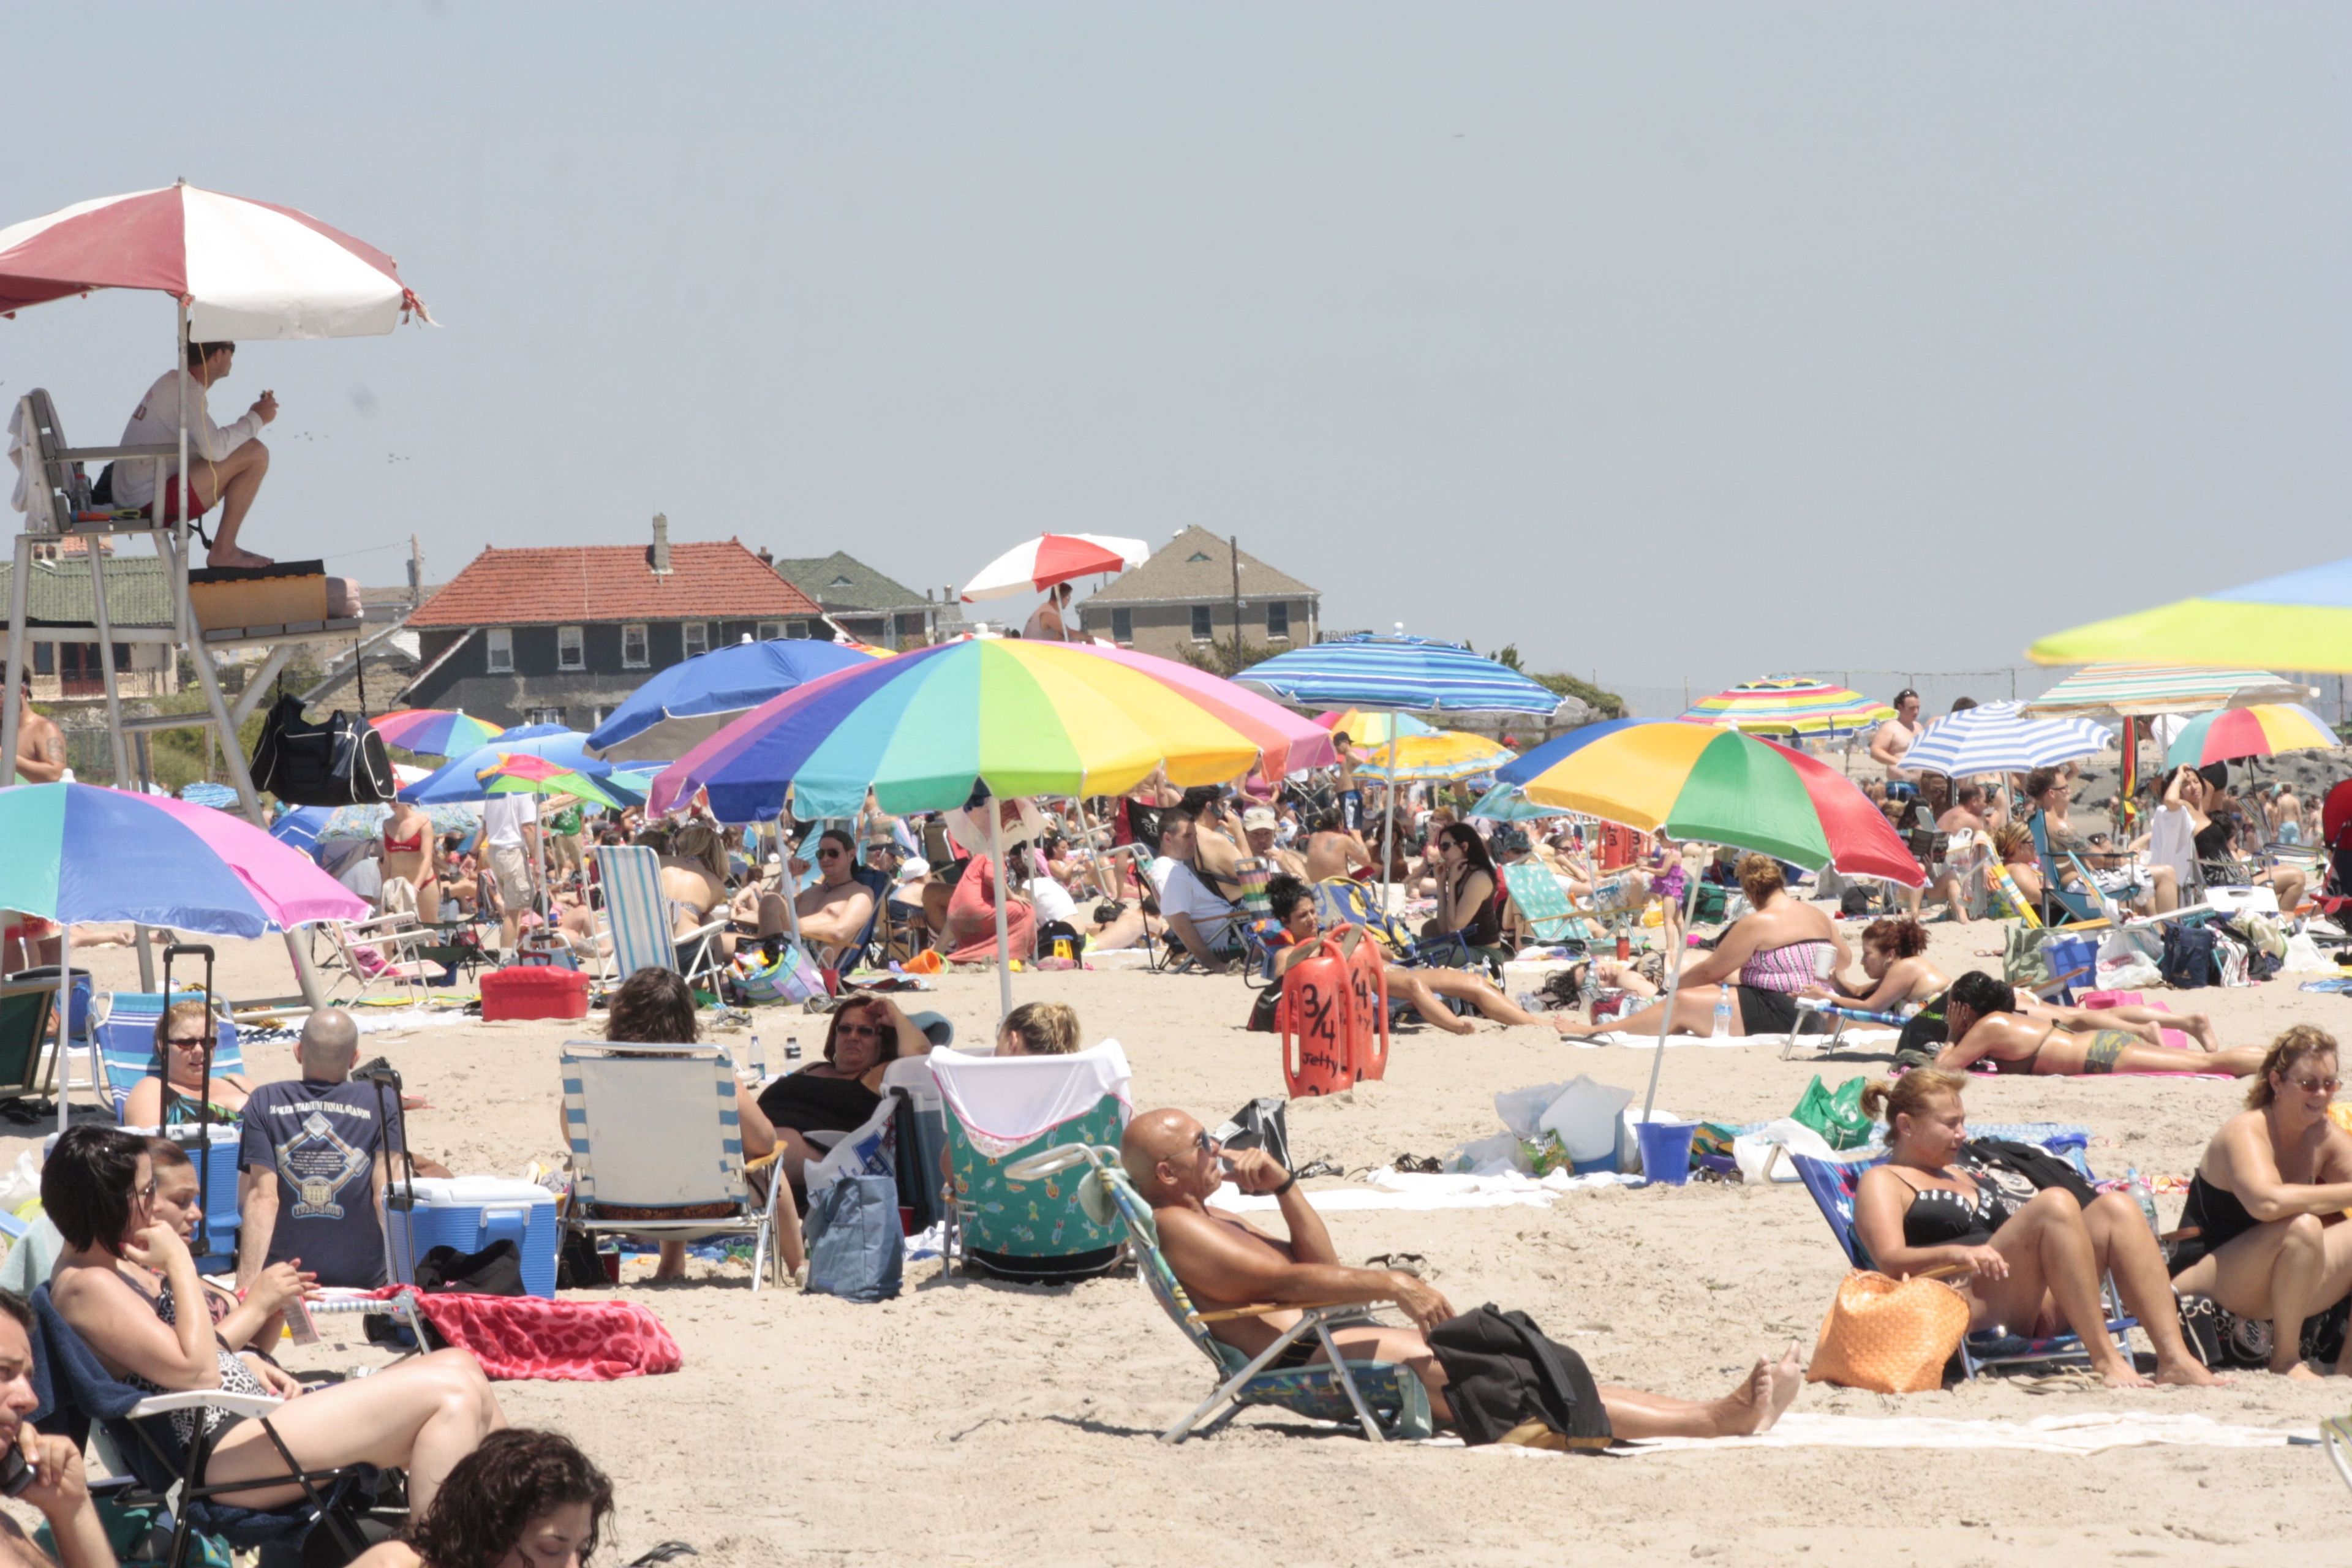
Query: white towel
pixel 2094 1432
pixel 1398 1189
pixel 1002 1102
pixel 1856 1037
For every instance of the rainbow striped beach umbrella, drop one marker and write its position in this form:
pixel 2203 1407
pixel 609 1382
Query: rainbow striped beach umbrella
pixel 2133 691
pixel 2263 730
pixel 434 731
pixel 2298 620
pixel 1790 705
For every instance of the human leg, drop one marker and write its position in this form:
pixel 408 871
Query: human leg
pixel 1768 1390
pixel 2231 1061
pixel 232 482
pixel 1408 986
pixel 423 1415
pixel 1694 1014
pixel 2127 1249
pixel 2050 1255
pixel 1474 989
pixel 2285 1270
pixel 1373 1341
pixel 2289 884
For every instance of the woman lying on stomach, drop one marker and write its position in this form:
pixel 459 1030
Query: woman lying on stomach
pixel 2032 1269
pixel 2260 1234
pixel 1985 1023
pixel 522 1499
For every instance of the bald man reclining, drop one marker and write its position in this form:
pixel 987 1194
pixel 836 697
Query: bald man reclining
pixel 1224 1262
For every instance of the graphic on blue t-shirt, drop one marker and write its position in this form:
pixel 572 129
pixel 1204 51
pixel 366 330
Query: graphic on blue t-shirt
pixel 317 1164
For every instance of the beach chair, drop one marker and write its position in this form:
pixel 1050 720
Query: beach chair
pixel 641 918
pixel 2080 905
pixel 657 1150
pixel 388 949
pixel 76 1393
pixel 1383 1398
pixel 1544 910
pixel 1833 1182
pixel 997 1111
pixel 125 1035
pixel 28 1012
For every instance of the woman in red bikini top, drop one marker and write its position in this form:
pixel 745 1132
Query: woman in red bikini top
pixel 408 852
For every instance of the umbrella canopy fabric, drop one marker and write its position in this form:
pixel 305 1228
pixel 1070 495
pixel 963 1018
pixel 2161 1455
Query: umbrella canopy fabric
pixel 1365 730
pixel 2130 691
pixel 2263 730
pixel 434 731
pixel 1287 743
pixel 1790 705
pixel 1443 754
pixel 247 270
pixel 459 778
pixel 1416 674
pixel 1052 558
pixel 1994 738
pixel 1504 803
pixel 522 774
pixel 76 853
pixel 691 701
pixel 218 797
pixel 2298 620
pixel 927 728
pixel 1718 786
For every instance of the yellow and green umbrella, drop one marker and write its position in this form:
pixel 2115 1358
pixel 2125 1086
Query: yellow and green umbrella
pixel 519 772
pixel 2300 620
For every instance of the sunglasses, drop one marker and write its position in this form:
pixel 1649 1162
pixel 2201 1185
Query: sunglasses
pixel 190 1041
pixel 867 1031
pixel 1206 1144
pixel 2317 1084
pixel 829 853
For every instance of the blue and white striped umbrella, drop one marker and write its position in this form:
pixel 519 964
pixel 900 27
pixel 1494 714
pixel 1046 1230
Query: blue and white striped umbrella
pixel 1994 738
pixel 1416 674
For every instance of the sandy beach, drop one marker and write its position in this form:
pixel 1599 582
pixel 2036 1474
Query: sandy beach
pixel 980 1423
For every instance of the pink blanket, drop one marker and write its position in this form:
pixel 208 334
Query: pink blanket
pixel 569 1341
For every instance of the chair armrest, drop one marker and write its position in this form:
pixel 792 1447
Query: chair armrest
pixel 86 454
pixel 205 1399
pixel 1260 1309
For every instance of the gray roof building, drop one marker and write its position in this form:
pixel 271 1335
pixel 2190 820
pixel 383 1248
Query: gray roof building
pixel 1184 595
pixel 861 601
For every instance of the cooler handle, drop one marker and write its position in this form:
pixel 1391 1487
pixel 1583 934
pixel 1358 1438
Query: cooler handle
pixel 506 1222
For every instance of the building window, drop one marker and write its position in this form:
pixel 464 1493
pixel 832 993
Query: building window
pixel 543 715
pixel 1278 620
pixel 769 631
pixel 698 638
pixel 45 658
pixel 604 712
pixel 570 648
pixel 500 651
pixel 1201 628
pixel 636 652
pixel 796 628
pixel 1122 626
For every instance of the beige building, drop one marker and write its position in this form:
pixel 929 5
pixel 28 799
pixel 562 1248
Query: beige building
pixel 1183 596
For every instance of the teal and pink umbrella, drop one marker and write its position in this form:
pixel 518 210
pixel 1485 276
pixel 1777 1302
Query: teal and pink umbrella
pixel 76 853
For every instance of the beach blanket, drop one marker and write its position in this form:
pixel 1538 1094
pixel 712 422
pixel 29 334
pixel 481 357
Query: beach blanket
pixel 2340 985
pixel 2093 1432
pixel 568 1342
pixel 1388 1189
pixel 1855 1039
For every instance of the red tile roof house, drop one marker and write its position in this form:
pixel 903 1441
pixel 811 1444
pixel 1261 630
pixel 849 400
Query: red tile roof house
pixel 563 635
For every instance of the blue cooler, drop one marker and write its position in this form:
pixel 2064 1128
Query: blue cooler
pixel 470 1213
pixel 222 1219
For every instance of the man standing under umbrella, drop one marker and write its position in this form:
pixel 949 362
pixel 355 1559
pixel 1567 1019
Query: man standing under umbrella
pixel 229 461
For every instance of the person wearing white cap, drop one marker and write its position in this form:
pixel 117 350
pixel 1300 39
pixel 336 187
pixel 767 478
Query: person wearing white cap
pixel 1260 826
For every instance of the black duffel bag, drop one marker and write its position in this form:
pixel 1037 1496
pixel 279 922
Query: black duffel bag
pixel 340 762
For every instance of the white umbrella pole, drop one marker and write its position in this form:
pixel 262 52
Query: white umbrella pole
pixel 1004 893
pixel 1388 838
pixel 1673 988
pixel 790 883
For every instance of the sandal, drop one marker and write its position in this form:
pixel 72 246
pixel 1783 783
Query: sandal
pixel 1317 1168
pixel 1412 1263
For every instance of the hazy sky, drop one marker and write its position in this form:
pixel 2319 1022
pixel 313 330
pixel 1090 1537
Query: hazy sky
pixel 1672 341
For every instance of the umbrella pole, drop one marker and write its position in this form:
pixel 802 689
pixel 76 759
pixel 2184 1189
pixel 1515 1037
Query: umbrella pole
pixel 1387 836
pixel 1004 893
pixel 1673 989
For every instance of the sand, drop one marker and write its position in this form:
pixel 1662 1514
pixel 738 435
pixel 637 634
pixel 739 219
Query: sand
pixel 975 1423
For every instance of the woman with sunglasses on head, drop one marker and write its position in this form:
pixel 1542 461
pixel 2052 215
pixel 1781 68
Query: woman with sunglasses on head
pixel 169 1097
pixel 838 1094
pixel 2262 1232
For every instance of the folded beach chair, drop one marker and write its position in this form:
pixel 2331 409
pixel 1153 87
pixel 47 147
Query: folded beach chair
pixel 28 1013
pixel 1833 1182
pixel 1543 906
pixel 640 916
pixel 657 1149
pixel 388 949
pixel 1000 1110
pixel 76 1391
pixel 1384 1398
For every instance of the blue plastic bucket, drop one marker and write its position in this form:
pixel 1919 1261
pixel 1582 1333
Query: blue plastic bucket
pixel 1665 1150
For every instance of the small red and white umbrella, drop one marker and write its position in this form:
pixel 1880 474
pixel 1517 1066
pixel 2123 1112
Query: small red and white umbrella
pixel 245 269
pixel 1052 558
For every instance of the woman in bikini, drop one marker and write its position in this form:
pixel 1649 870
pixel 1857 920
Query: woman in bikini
pixel 2261 1233
pixel 170 1098
pixel 408 852
pixel 2035 1267
pixel 1984 1024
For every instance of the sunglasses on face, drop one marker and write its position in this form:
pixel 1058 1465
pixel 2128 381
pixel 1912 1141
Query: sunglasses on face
pixel 867 1031
pixel 1206 1144
pixel 189 1041
pixel 2317 1084
pixel 829 853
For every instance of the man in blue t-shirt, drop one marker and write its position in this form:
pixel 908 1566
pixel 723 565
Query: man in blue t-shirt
pixel 313 1164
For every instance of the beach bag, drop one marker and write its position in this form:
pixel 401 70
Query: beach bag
pixel 2188 961
pixel 1263 1123
pixel 2232 963
pixel 1509 1384
pixel 1889 1336
pixel 494 1270
pixel 2130 957
pixel 1836 1115
pixel 790 976
pixel 857 1249
pixel 340 762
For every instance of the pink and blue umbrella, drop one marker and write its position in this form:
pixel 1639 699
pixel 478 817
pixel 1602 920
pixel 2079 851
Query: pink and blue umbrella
pixel 434 731
pixel 76 853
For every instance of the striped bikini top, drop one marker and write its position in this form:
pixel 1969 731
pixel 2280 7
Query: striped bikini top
pixel 1788 969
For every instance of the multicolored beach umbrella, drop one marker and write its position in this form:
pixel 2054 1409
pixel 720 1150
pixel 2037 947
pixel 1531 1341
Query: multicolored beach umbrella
pixel 2133 691
pixel 2300 620
pixel 434 731
pixel 926 729
pixel 1790 705
pixel 1443 755
pixel 1504 803
pixel 1718 786
pixel 2263 730
pixel 522 774
pixel 76 853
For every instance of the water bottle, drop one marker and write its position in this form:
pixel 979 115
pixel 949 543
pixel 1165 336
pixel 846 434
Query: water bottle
pixel 1723 1011
pixel 1528 1001
pixel 755 1058
pixel 791 1047
pixel 2144 1194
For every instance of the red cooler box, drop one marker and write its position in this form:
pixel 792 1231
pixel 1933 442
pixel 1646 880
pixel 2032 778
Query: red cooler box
pixel 534 991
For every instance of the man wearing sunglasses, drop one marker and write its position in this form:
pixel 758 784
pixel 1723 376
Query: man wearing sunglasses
pixel 834 910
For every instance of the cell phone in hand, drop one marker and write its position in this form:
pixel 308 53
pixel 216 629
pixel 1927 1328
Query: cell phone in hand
pixel 15 1472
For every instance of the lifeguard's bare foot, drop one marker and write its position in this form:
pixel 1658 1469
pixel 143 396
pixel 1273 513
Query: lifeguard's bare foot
pixel 220 556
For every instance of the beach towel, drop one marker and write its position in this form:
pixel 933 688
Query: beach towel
pixel 567 1342
pixel 1856 1039
pixel 1005 1101
pixel 2093 1432
pixel 1390 1189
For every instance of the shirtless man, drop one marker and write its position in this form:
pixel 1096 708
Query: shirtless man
pixel 226 463
pixel 1225 1262
pixel 1049 622
pixel 834 910
pixel 1259 826
pixel 1351 797
pixel 1333 851
pixel 40 744
pixel 1896 737
pixel 1967 810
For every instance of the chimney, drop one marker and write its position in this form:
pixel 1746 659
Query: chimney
pixel 767 558
pixel 658 555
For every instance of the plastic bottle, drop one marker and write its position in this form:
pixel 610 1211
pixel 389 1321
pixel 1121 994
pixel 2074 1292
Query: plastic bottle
pixel 792 1049
pixel 754 1058
pixel 1528 1001
pixel 2144 1194
pixel 1723 1011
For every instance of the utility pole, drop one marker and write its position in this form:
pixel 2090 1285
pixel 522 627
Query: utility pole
pixel 1233 542
pixel 415 573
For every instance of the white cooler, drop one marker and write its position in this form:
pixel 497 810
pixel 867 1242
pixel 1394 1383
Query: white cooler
pixel 470 1213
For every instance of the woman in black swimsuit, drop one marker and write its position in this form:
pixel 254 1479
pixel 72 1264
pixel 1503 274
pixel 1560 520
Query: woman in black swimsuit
pixel 2034 1268
pixel 838 1094
pixel 2265 1203
pixel 1469 890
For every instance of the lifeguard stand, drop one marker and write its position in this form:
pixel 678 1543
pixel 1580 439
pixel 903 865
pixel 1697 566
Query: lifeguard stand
pixel 214 611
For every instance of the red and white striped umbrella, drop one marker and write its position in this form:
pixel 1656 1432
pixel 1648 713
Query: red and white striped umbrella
pixel 1052 558
pixel 246 270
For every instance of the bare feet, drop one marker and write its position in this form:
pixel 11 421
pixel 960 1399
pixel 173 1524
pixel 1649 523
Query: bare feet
pixel 2303 1372
pixel 1772 1387
pixel 2200 1028
pixel 2121 1373
pixel 229 555
pixel 2190 1373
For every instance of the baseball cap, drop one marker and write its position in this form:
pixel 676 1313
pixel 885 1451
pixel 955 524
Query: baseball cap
pixel 1258 816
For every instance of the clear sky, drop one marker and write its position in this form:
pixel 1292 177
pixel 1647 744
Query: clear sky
pixel 1672 341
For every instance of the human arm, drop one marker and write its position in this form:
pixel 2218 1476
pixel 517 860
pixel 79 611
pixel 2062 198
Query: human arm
pixel 1730 955
pixel 1883 749
pixel 844 920
pixel 1892 989
pixel 143 1107
pixel 122 1325
pixel 912 1041
pixel 257 1206
pixel 254 1319
pixel 2250 1169
pixel 61 1491
pixel 1970 1048
pixel 40 748
pixel 1878 1207
pixel 1194 943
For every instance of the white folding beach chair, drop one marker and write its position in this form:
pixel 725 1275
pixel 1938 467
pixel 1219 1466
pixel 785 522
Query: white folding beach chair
pixel 656 1149
pixel 641 918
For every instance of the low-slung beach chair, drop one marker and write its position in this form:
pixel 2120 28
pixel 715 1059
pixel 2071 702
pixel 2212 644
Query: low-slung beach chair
pixel 640 916
pixel 1833 1182
pixel 27 1011
pixel 126 1043
pixel 1384 1398
pixel 658 1149
pixel 997 1111
pixel 1544 910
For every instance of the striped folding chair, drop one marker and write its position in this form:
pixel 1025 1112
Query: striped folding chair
pixel 126 1043
pixel 657 1150
pixel 640 916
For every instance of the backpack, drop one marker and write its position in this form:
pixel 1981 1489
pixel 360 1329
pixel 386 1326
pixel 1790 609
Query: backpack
pixel 1502 1373
pixel 2188 963
pixel 340 762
